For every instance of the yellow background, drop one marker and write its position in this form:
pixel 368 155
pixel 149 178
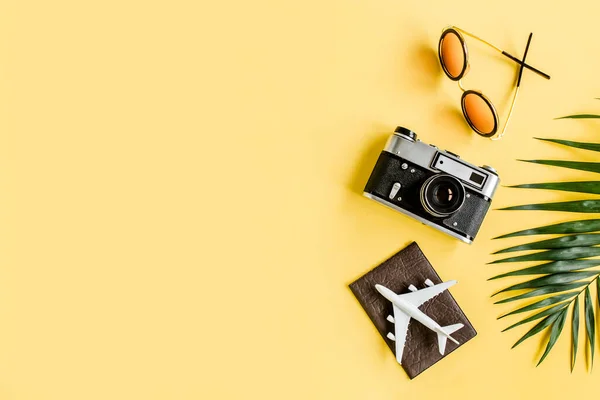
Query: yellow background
pixel 180 192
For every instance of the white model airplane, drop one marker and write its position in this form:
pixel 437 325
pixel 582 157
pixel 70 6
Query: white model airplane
pixel 406 307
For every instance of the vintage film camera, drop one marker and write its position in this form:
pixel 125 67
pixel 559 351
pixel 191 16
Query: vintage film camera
pixel 433 186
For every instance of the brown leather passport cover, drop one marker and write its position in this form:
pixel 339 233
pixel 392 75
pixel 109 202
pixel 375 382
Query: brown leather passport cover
pixel 409 266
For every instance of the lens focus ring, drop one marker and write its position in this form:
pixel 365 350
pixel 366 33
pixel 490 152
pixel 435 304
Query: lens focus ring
pixel 442 195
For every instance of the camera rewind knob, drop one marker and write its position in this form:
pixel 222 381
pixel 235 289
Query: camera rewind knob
pixel 406 133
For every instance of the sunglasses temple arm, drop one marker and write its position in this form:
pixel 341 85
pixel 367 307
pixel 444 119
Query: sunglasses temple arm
pixel 515 59
pixel 510 111
pixel 529 67
pixel 512 106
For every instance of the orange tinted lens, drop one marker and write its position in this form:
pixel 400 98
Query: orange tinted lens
pixel 452 54
pixel 479 114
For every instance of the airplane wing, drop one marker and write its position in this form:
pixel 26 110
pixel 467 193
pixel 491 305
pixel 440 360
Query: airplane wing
pixel 421 296
pixel 401 321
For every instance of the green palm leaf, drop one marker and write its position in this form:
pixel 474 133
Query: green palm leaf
pixel 589 321
pixel 552 268
pixel 578 165
pixel 561 281
pixel 580 206
pixel 575 332
pixel 557 243
pixel 555 331
pixel 548 301
pixel 553 279
pixel 571 253
pixel 579 145
pixel 580 116
pixel 539 327
pixel 592 187
pixel 543 291
pixel 583 226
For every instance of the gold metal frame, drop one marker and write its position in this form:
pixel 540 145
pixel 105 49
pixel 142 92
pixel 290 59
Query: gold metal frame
pixel 465 70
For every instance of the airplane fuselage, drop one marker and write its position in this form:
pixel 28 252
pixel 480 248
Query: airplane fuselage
pixel 412 311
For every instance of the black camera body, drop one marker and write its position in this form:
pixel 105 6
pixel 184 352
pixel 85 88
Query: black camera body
pixel 435 187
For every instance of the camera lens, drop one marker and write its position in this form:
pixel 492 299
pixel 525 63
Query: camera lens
pixel 442 195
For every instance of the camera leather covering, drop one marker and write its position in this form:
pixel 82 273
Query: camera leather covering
pixel 410 266
pixel 468 218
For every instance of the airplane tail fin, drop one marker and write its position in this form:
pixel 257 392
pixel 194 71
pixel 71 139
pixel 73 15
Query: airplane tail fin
pixel 448 330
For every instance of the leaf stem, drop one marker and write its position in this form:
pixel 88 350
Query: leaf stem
pixel 581 291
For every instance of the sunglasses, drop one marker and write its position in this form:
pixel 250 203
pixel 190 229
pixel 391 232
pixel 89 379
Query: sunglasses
pixel 478 110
